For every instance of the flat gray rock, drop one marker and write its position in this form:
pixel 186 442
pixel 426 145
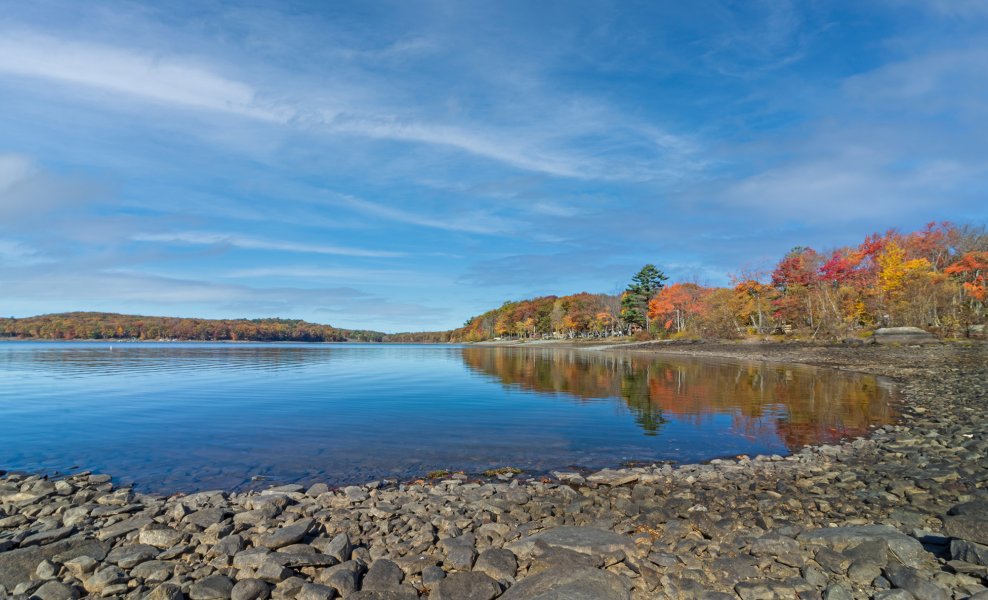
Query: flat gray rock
pixel 130 556
pixel 383 575
pixel 17 566
pixel 913 581
pixel 214 587
pixel 402 594
pixel 166 591
pixel 55 590
pixel 586 540
pixel 904 335
pixel 568 584
pixel 466 586
pixel 906 549
pixel 250 589
pixel 499 563
pixel 968 521
pixel 969 552
pixel 285 536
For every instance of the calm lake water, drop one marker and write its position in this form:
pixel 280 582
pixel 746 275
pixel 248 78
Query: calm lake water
pixel 182 417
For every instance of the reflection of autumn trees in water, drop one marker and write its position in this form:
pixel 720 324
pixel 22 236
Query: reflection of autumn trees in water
pixel 799 404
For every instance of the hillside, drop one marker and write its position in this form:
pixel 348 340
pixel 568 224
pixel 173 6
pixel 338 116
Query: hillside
pixel 113 326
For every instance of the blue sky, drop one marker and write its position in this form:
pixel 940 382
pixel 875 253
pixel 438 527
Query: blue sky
pixel 403 166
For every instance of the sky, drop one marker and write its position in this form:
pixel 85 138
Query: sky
pixel 402 166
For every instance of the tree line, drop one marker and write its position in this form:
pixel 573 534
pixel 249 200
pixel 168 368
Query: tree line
pixel 112 326
pixel 935 278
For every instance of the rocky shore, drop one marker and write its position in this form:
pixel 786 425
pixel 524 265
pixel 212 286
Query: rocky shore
pixel 900 515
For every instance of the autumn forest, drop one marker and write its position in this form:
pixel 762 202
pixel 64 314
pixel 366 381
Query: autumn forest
pixel 935 278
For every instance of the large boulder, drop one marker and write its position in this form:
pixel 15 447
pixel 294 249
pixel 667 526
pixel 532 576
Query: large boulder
pixel 586 540
pixel 968 521
pixel 571 584
pixel 17 566
pixel 901 546
pixel 904 335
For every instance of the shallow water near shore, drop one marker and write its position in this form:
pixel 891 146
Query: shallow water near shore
pixel 183 417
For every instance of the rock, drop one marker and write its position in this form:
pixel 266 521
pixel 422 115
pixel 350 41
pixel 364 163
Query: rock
pixel 17 566
pixel 907 549
pixel 122 528
pixel 160 537
pixel 968 521
pixel 570 584
pixel 402 594
pixel 284 536
pixel 297 560
pixel 102 579
pixel 586 540
pixel 250 589
pixel 127 557
pixel 46 570
pixel 431 576
pixel 339 547
pixel 894 595
pixel 545 558
pixel 613 478
pixel 413 565
pixel 47 537
pixel 863 572
pixel 203 519
pixel 460 557
pixel 383 575
pixel 466 586
pixel 55 590
pixel 80 566
pixel 837 592
pixel 272 572
pixel 903 335
pixel 166 591
pixel 314 591
pixel 910 580
pixel 775 545
pixel 969 552
pixel 210 588
pixel 153 571
pixel 344 577
pixel 499 563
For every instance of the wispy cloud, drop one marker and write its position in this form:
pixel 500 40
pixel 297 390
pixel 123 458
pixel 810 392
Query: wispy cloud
pixel 17 254
pixel 207 238
pixel 29 192
pixel 191 83
pixel 476 221
pixel 117 70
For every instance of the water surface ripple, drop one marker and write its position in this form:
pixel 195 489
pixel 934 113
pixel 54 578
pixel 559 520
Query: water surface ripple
pixel 183 417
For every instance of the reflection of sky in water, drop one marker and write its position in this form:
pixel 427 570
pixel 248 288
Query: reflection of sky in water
pixel 194 416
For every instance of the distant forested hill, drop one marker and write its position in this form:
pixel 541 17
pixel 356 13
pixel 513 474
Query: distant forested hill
pixel 111 326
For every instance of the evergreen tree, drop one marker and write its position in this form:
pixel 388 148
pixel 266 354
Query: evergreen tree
pixel 644 285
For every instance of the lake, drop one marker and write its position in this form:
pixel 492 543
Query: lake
pixel 183 417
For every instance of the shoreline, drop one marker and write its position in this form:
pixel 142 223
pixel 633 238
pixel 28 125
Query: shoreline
pixel 748 528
